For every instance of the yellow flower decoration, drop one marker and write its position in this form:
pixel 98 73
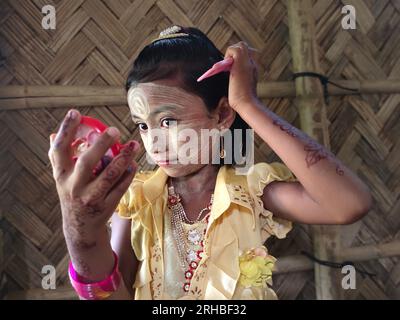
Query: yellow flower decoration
pixel 256 267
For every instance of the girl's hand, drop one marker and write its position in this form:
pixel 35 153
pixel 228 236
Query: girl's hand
pixel 243 76
pixel 87 202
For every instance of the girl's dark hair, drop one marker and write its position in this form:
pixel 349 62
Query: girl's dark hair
pixel 185 59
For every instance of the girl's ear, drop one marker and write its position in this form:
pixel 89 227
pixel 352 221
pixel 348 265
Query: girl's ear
pixel 226 114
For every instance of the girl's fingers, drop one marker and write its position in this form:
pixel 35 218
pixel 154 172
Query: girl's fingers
pixel 240 54
pixel 243 50
pixel 89 158
pixel 50 155
pixel 60 149
pixel 113 172
pixel 254 54
pixel 119 189
pixel 52 137
pixel 243 47
pixel 237 50
pixel 232 51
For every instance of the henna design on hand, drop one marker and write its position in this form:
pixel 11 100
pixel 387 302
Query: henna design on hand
pixel 75 212
pixel 92 208
pixel 75 235
pixel 112 173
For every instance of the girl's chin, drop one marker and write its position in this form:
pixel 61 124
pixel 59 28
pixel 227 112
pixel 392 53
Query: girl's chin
pixel 180 170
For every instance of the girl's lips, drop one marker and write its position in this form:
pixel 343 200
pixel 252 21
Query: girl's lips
pixel 165 162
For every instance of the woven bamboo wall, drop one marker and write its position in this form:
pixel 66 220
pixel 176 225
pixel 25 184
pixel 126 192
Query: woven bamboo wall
pixel 95 43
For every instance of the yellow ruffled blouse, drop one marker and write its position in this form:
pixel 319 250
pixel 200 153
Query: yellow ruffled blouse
pixel 238 223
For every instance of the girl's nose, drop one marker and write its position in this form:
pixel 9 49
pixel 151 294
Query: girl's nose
pixel 157 141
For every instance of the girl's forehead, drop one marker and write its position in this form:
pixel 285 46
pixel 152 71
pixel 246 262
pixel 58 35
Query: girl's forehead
pixel 156 93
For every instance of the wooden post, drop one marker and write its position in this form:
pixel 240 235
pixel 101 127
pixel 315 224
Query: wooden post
pixel 313 119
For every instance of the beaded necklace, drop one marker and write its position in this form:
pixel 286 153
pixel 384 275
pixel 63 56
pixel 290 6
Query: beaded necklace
pixel 185 242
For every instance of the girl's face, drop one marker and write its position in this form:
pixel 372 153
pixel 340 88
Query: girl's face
pixel 170 120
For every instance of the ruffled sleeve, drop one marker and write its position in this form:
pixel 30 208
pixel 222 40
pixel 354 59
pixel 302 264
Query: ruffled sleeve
pixel 260 175
pixel 133 199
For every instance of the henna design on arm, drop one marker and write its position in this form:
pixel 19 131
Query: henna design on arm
pixel 339 170
pixel 317 152
pixel 75 235
pixel 75 242
pixel 314 151
pixel 82 268
pixel 290 130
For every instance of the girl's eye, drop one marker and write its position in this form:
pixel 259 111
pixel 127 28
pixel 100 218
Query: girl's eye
pixel 142 126
pixel 167 122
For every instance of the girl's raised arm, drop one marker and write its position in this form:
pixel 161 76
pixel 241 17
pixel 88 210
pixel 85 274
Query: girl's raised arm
pixel 327 192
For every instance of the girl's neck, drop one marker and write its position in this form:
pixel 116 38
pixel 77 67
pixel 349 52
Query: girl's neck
pixel 203 180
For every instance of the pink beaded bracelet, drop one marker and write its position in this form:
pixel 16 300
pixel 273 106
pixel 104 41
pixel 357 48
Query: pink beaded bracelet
pixel 96 290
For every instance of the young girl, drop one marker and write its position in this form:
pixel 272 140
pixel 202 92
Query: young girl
pixel 193 230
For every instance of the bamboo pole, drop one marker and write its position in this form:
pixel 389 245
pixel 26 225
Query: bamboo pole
pixel 295 263
pixel 313 121
pixel 282 89
pixel 60 102
pixel 59 91
pixel 298 263
pixel 364 253
pixel 61 293
pixel 30 97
